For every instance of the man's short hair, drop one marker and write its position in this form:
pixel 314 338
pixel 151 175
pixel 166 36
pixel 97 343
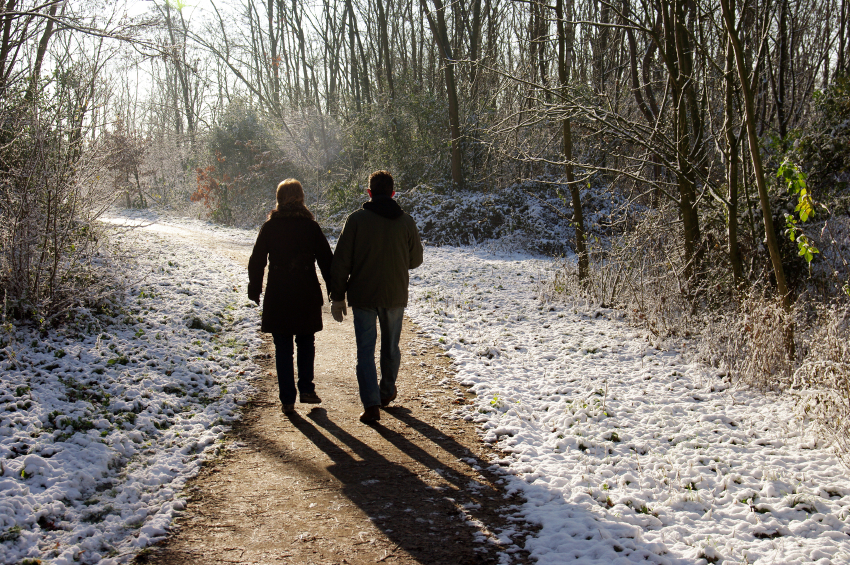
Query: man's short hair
pixel 381 182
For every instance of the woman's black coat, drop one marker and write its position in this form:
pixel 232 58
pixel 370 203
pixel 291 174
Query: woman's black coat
pixel 293 243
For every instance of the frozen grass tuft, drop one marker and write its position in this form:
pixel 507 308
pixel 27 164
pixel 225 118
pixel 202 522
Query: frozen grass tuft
pixel 823 378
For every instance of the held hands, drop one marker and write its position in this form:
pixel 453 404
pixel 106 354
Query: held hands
pixel 338 310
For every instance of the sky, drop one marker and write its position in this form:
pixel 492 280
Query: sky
pixel 139 7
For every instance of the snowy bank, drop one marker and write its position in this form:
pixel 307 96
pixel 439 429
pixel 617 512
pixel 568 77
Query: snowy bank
pixel 625 453
pixel 102 423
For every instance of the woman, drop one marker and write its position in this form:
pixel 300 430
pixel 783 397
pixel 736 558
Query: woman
pixel 293 243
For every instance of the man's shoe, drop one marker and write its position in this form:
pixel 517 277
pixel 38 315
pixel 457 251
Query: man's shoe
pixel 386 401
pixel 370 414
pixel 288 409
pixel 309 398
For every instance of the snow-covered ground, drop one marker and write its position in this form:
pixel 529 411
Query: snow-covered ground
pixel 625 453
pixel 102 423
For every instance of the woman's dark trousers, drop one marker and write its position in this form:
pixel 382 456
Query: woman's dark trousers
pixel 306 346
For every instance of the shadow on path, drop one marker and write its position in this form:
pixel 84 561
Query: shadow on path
pixel 323 488
pixel 420 518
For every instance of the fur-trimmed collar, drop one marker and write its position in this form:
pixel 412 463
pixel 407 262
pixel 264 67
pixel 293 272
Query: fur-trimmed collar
pixel 291 211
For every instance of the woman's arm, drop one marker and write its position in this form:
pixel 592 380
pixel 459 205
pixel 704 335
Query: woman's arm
pixel 257 266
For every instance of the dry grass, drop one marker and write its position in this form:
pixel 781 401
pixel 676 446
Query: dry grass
pixel 751 343
pixel 822 380
pixel 803 350
pixel 754 342
pixel 641 272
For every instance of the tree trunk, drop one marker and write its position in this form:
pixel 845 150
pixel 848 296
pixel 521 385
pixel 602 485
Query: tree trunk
pixel 332 55
pixel 474 49
pixel 687 192
pixel 274 59
pixel 781 101
pixel 565 44
pixel 438 28
pixel 755 155
pixel 352 55
pixel 732 170
pixel 42 50
pixel 600 66
pixel 365 86
pixel 302 49
pixel 538 38
pixel 843 39
pixel 676 54
pixel 6 66
pixel 181 68
pixel 385 47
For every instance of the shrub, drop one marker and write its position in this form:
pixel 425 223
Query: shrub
pixel 750 340
pixel 406 138
pixel 822 380
pixel 126 154
pixel 243 169
pixel 50 195
pixel 531 216
pixel 824 148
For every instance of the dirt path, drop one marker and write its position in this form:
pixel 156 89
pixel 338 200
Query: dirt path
pixel 321 487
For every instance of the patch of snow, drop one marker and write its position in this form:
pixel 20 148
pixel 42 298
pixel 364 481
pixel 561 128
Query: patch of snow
pixel 102 423
pixel 624 453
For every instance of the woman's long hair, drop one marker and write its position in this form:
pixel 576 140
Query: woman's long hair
pixel 290 198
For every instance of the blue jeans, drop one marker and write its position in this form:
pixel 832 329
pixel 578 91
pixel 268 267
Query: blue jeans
pixel 283 361
pixel 366 334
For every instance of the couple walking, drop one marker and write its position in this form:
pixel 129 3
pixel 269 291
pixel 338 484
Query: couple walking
pixel 377 247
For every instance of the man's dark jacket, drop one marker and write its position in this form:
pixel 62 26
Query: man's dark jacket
pixel 375 250
pixel 293 243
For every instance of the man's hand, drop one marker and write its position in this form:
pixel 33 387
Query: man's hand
pixel 338 310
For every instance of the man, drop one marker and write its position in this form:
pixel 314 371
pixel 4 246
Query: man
pixel 377 247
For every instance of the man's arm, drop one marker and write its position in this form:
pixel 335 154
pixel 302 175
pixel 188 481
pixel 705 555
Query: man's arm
pixel 416 250
pixel 324 256
pixel 342 261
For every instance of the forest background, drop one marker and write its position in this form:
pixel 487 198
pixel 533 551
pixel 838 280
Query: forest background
pixel 691 157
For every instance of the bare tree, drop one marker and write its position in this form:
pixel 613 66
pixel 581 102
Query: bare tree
pixel 755 151
pixel 437 22
pixel 565 47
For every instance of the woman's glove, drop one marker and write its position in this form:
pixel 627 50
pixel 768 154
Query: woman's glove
pixel 338 310
pixel 254 293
